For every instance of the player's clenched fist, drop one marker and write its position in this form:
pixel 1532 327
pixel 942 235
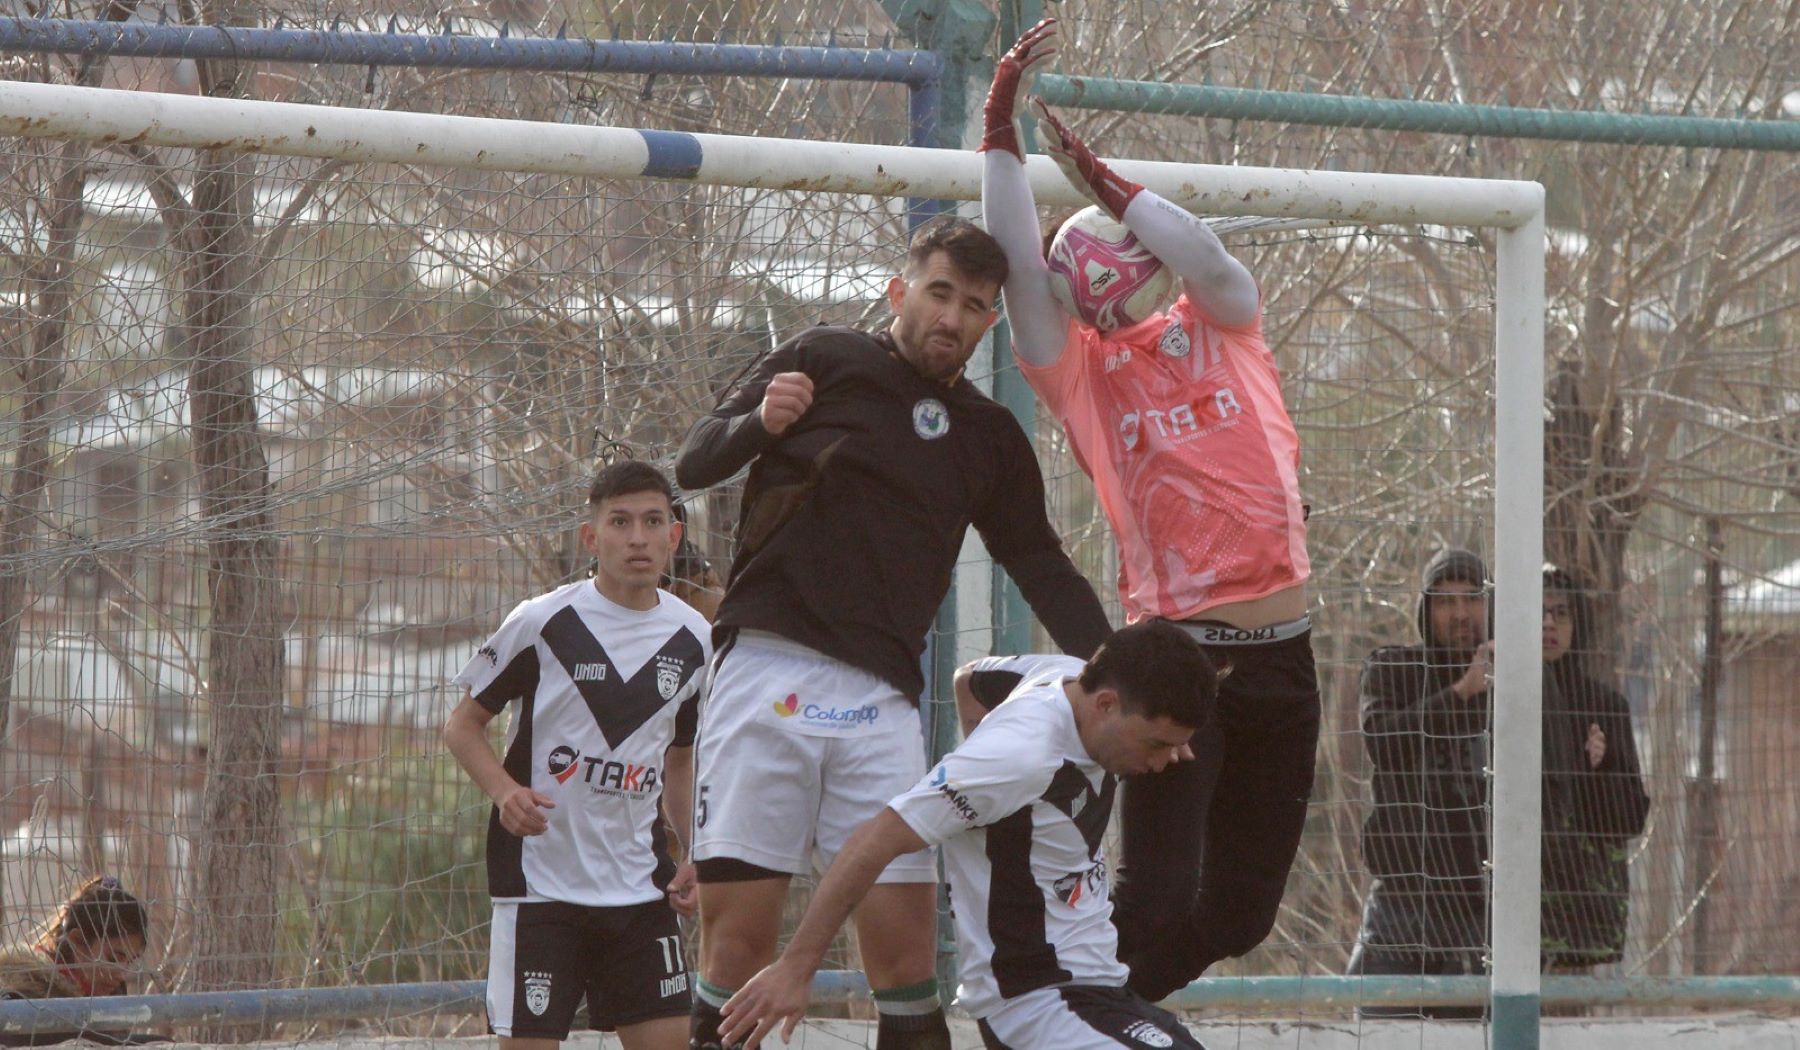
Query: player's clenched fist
pixel 522 811
pixel 788 396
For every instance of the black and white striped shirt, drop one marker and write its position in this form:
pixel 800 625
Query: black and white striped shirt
pixel 1020 809
pixel 602 692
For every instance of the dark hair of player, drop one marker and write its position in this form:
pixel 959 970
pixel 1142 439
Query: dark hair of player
pixel 100 909
pixel 625 478
pixel 971 249
pixel 1159 670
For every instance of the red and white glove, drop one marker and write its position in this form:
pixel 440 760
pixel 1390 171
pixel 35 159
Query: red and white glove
pixel 1088 173
pixel 1012 83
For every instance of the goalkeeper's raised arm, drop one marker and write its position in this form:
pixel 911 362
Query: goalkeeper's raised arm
pixel 1214 281
pixel 1175 410
pixel 1039 325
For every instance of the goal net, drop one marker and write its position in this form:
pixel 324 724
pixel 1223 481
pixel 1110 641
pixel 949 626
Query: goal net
pixel 432 359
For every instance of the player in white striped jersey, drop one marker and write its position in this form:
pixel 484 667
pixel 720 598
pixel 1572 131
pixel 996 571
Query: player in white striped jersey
pixel 1020 809
pixel 608 675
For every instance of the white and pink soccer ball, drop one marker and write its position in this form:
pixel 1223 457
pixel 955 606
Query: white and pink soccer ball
pixel 1102 275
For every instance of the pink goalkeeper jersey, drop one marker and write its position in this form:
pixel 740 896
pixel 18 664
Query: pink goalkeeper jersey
pixel 1181 425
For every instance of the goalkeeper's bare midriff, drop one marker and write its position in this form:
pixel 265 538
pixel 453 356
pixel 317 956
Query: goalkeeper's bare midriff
pixel 1281 607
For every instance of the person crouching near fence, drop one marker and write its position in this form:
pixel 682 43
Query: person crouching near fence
pixel 89 947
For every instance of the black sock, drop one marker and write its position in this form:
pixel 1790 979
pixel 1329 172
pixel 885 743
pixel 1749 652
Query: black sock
pixel 703 1024
pixel 912 1018
pixel 922 1032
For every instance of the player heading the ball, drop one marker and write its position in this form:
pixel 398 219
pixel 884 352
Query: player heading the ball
pixel 1020 809
pixel 1177 414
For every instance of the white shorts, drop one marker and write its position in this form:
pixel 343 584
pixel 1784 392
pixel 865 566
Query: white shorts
pixel 1082 1017
pixel 796 750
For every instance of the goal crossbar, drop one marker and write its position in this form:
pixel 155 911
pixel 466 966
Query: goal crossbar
pixel 105 115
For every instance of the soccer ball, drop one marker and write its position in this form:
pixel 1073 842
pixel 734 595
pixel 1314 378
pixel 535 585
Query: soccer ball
pixel 1101 274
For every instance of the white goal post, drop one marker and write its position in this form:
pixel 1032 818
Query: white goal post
pixel 1513 210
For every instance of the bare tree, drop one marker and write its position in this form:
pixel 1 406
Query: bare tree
pixel 49 279
pixel 240 826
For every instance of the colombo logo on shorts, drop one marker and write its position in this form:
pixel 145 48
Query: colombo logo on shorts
pixel 1149 1034
pixel 818 714
pixel 537 992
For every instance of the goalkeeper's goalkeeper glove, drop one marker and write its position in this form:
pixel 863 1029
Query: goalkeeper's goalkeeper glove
pixel 1012 83
pixel 1089 174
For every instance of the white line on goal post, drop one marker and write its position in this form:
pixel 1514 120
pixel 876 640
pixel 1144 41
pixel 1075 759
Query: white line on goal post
pixel 1515 208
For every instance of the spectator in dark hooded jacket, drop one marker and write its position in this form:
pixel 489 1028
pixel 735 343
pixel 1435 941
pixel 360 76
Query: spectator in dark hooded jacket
pixel 1425 719
pixel 1594 799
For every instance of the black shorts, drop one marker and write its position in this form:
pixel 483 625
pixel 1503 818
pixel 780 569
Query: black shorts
pixel 545 957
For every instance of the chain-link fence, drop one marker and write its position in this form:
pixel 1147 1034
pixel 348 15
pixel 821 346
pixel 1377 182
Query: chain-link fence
pixel 433 361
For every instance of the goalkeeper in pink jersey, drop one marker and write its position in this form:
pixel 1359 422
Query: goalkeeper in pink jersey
pixel 1180 422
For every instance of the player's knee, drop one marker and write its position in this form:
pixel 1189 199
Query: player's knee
pixel 732 957
pixel 898 957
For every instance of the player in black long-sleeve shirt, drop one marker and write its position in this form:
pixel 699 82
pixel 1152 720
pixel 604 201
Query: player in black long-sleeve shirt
pixel 870 455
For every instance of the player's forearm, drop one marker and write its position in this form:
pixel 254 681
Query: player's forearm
pixel 716 447
pixel 1062 599
pixel 1039 325
pixel 1216 282
pixel 467 741
pixel 678 794
pixel 870 849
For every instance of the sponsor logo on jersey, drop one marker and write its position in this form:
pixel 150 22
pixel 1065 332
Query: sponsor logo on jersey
pixel 606 776
pixel 1075 885
pixel 492 654
pixel 1149 1034
pixel 1178 422
pixel 821 714
pixel 562 762
pixel 931 420
pixel 1114 362
pixel 603 776
pixel 589 673
pixel 537 992
pixel 1128 430
pixel 953 794
pixel 1175 342
pixel 668 676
